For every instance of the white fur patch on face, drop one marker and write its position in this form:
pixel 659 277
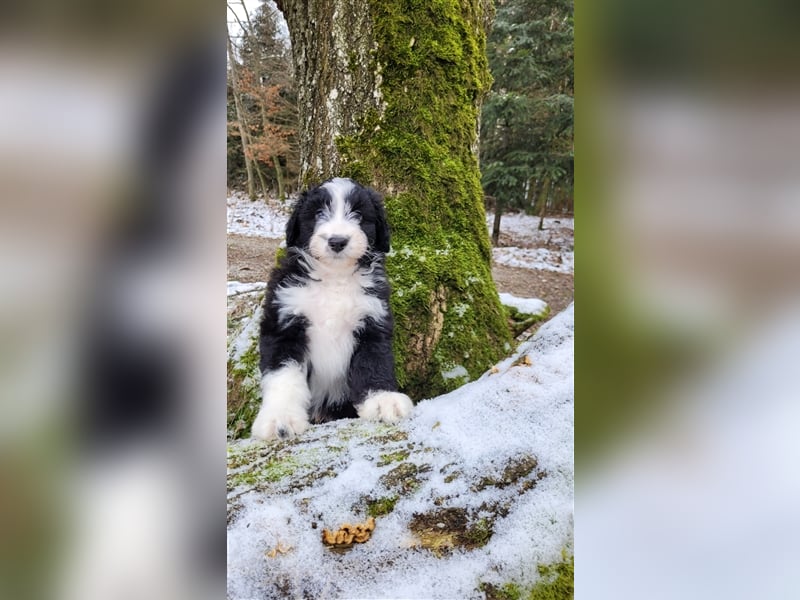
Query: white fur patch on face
pixel 389 407
pixel 284 405
pixel 338 222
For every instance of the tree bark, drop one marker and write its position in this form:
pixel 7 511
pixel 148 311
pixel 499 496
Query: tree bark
pixel 390 95
pixel 337 82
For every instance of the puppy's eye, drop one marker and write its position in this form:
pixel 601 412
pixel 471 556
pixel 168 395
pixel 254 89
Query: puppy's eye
pixel 320 213
pixel 355 216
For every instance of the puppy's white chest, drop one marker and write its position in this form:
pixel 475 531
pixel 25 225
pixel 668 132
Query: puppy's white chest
pixel 334 306
pixel 334 309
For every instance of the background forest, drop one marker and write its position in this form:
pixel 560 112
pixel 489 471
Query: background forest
pixel 526 133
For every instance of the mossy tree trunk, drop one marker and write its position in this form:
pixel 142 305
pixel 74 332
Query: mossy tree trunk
pixel 389 94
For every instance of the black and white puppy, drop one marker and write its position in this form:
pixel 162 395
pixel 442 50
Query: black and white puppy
pixel 326 335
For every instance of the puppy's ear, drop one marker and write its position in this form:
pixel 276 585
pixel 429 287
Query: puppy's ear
pixel 293 226
pixel 382 236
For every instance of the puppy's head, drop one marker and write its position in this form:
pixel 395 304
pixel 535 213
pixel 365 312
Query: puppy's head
pixel 339 223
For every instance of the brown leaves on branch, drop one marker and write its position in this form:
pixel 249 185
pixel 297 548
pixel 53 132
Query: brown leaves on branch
pixel 271 130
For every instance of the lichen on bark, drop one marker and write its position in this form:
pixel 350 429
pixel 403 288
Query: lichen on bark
pixel 410 131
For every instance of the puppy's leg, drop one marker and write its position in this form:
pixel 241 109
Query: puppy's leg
pixel 284 406
pixel 284 390
pixel 371 379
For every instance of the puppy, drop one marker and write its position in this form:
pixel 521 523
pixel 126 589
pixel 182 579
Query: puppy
pixel 326 335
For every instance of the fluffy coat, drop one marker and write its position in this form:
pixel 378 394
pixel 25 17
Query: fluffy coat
pixel 326 335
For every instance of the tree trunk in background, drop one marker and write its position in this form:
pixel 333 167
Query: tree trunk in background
pixel 390 95
pixel 498 213
pixel 279 178
pixel 237 102
pixel 261 180
pixel 543 195
pixel 530 193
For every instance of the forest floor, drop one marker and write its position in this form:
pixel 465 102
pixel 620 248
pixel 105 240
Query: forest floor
pixel 538 264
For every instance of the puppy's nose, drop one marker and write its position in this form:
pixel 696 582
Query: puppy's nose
pixel 337 243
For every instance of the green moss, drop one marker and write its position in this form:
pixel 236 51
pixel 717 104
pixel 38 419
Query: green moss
pixel 244 396
pixel 520 322
pixel 445 529
pixel 556 583
pixel 452 477
pixel 405 478
pixel 434 70
pixel 381 506
pixel 479 533
pixel 377 433
pixel 515 470
pixel 238 457
pixel 269 472
pixel 393 435
pixel 279 466
pixel 387 459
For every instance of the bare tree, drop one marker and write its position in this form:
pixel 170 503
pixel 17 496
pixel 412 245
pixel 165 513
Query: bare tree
pixel 240 120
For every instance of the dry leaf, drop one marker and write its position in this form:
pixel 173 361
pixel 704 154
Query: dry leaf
pixel 279 549
pixel 349 534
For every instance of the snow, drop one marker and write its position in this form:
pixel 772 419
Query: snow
pixel 514 410
pixel 236 287
pixel 457 371
pixel 523 245
pixel 535 258
pixel 257 218
pixel 558 230
pixel 528 306
pixel 248 333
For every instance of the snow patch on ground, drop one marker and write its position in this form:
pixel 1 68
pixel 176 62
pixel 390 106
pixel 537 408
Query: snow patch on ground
pixel 535 258
pixel 246 336
pixel 556 230
pixel 257 218
pixel 520 408
pixel 528 306
pixel 523 245
pixel 237 287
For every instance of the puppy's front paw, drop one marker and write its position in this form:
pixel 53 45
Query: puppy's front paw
pixel 389 407
pixel 284 412
pixel 270 425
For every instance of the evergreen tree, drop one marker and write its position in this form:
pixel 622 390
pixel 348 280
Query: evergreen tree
pixel 527 119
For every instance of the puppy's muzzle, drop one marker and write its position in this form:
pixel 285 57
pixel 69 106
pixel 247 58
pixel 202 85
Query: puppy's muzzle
pixel 337 243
